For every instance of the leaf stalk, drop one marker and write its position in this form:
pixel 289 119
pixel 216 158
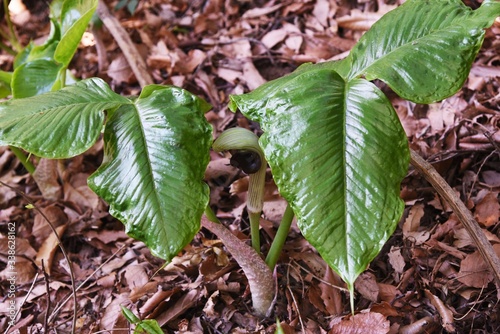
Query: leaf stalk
pixel 25 161
pixel 280 238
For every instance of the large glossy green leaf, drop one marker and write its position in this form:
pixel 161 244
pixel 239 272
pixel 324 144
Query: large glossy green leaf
pixel 156 153
pixel 423 49
pixel 58 124
pixel 338 154
pixel 75 16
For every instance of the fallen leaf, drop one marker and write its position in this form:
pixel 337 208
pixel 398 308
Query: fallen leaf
pixel 366 285
pixel 46 177
pixel 362 323
pixel 487 211
pixel 474 272
pixel 396 260
pixel 446 315
pixel 48 249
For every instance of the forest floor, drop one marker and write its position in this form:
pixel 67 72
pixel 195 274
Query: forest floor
pixel 429 277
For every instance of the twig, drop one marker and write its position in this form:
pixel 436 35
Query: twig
pixel 463 214
pixel 47 311
pixel 128 48
pixel 24 301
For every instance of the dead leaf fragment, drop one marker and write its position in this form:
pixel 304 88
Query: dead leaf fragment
pixel 362 323
pixel 48 249
pixel 446 315
pixel 474 272
pixel 46 177
pixel 488 210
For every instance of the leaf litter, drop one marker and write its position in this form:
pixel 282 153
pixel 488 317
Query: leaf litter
pixel 428 278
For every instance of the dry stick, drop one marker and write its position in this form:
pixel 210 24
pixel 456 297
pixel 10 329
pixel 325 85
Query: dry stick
pixel 128 48
pixel 24 301
pixel 47 287
pixel 459 208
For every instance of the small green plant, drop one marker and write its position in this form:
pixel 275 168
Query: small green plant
pixel 336 148
pixel 148 326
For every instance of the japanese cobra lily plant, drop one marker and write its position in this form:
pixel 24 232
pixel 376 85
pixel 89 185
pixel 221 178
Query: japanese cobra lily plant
pixel 333 141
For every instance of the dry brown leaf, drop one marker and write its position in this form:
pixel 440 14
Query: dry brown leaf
pixel 24 272
pixel 491 178
pixel 119 70
pixel 361 21
pixel 48 249
pixel 463 238
pixel 258 12
pixel 46 177
pixel 156 299
pixel 387 292
pixel 330 294
pixel 418 327
pixel 487 211
pixel 41 228
pixel 252 76
pixel 136 276
pixel 412 222
pixel 396 260
pixel 112 317
pixel 474 272
pixel 322 11
pixel 446 315
pixel 274 37
pixel 366 285
pixel 385 308
pixel 185 302
pixel 188 64
pixel 362 323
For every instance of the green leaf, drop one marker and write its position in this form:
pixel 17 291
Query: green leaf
pixel 156 152
pixel 129 315
pixel 5 81
pixel 338 154
pixel 58 124
pixel 75 16
pixel 423 49
pixel 149 326
pixel 34 78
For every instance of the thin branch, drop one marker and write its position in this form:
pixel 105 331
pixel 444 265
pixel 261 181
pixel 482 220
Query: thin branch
pixel 128 48
pixel 464 215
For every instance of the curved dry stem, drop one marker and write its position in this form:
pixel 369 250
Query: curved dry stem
pixel 464 215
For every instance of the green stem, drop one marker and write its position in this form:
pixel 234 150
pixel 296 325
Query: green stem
pixel 254 230
pixel 12 38
pixel 23 159
pixel 7 49
pixel 211 215
pixel 280 238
